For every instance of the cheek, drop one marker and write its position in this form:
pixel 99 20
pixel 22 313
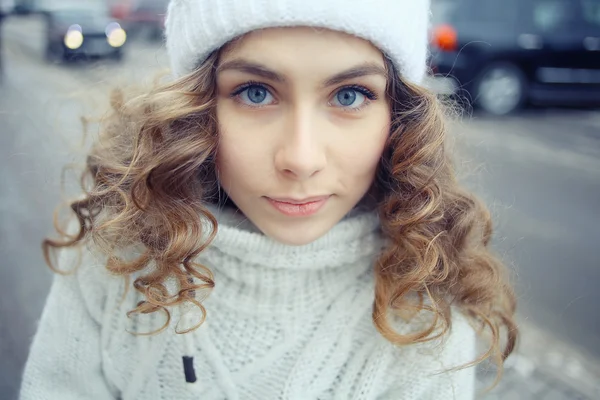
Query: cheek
pixel 360 157
pixel 236 151
pixel 232 156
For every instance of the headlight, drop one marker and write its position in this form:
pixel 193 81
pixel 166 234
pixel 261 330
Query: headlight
pixel 74 37
pixel 115 35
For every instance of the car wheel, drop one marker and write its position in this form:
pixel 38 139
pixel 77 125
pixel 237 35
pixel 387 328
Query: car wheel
pixel 50 53
pixel 117 56
pixel 500 89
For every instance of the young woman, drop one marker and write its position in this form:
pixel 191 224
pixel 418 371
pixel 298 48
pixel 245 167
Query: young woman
pixel 279 221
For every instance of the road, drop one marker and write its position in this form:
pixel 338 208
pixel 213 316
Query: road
pixel 539 171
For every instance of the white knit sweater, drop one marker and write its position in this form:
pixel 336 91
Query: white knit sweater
pixel 283 323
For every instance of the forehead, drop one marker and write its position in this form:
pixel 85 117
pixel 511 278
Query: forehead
pixel 301 46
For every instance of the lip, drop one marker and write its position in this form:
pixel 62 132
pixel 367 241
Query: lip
pixel 298 207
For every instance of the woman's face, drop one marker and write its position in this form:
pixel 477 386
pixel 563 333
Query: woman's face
pixel 303 120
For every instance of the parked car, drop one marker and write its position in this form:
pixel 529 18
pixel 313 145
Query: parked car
pixel 503 54
pixel 83 32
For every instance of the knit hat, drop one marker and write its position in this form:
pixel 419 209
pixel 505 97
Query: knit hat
pixel 195 28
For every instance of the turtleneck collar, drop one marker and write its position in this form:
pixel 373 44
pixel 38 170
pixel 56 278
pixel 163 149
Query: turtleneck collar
pixel 258 274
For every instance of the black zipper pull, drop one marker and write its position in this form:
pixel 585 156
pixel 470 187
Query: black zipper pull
pixel 188 369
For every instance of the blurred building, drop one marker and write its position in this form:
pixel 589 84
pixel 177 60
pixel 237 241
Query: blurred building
pixel 137 15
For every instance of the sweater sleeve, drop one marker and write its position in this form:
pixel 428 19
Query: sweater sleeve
pixel 435 374
pixel 65 359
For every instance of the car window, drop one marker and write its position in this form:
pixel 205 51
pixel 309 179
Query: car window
pixel 561 15
pixel 591 12
pixel 443 11
pixel 74 16
pixel 485 11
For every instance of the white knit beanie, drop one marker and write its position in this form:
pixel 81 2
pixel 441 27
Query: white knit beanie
pixel 195 28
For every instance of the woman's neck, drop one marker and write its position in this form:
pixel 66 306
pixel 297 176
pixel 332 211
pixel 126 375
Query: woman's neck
pixel 260 275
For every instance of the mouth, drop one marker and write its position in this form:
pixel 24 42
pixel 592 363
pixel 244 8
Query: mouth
pixel 298 207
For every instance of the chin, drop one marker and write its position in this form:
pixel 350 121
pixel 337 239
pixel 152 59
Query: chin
pixel 293 236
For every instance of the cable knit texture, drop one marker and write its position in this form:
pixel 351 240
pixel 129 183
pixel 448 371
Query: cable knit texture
pixel 283 323
pixel 195 28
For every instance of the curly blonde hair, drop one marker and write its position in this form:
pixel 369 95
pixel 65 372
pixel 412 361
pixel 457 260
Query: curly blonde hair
pixel 152 172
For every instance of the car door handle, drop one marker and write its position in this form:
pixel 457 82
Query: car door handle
pixel 591 43
pixel 529 41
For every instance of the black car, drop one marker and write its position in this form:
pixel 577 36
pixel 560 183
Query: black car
pixel 503 54
pixel 74 33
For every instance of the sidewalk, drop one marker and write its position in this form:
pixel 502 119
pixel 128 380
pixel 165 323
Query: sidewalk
pixel 543 368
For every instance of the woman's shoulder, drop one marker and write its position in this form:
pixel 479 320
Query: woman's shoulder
pixel 436 364
pixel 84 266
pixel 453 348
pixel 458 346
pixel 437 368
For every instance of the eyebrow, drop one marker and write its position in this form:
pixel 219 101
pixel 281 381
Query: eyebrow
pixel 251 68
pixel 365 69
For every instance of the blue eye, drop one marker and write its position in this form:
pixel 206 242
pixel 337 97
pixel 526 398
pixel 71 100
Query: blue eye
pixel 347 97
pixel 352 98
pixel 254 95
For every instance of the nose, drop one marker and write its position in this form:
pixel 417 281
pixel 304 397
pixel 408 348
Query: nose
pixel 301 154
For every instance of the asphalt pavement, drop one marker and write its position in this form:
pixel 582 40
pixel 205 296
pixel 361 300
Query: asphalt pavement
pixel 539 171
